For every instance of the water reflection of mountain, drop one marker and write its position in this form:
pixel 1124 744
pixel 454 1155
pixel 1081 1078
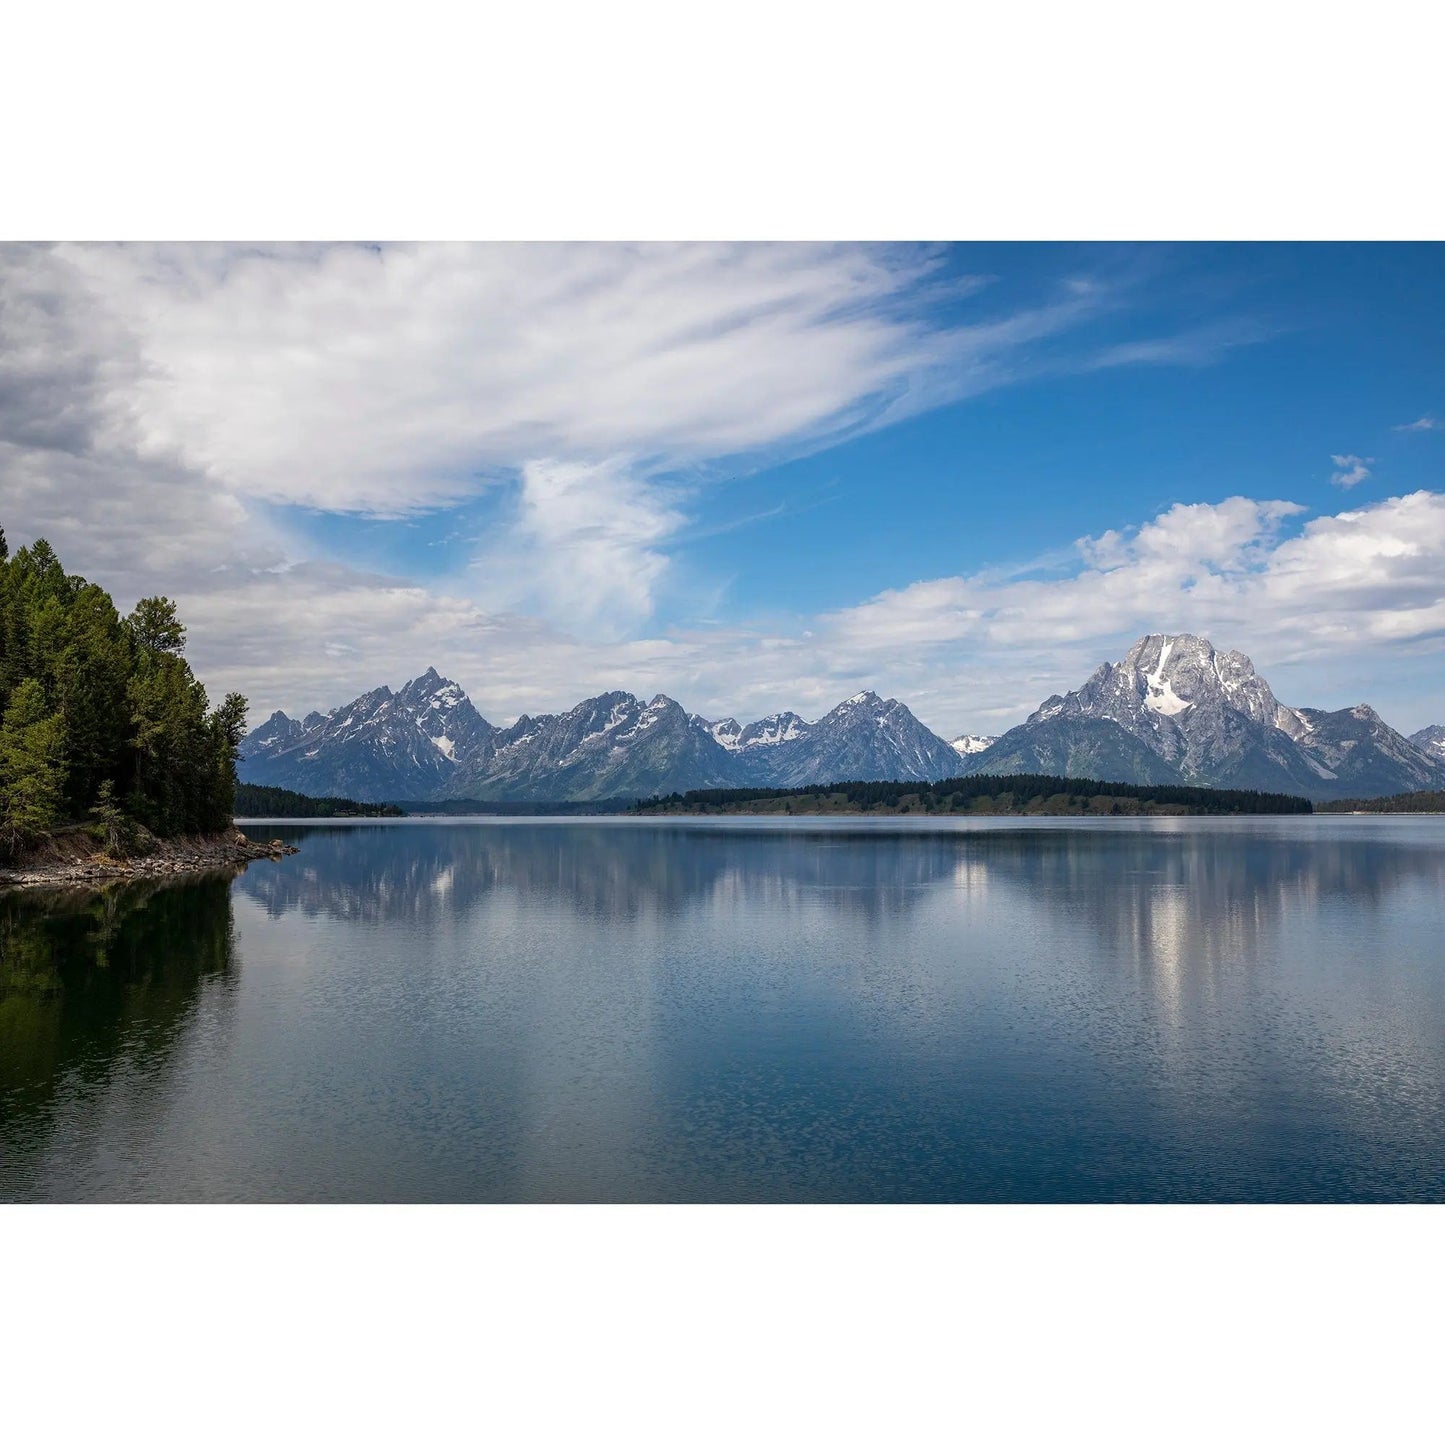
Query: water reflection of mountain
pixel 94 984
pixel 416 872
pixel 1216 892
pixel 1219 886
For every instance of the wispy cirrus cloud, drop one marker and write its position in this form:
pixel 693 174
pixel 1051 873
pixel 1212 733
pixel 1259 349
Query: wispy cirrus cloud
pixel 198 394
pixel 1350 470
pixel 1197 346
pixel 383 379
pixel 1424 423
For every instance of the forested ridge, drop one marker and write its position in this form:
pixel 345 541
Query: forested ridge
pixel 981 792
pixel 101 718
pixel 1426 802
pixel 255 801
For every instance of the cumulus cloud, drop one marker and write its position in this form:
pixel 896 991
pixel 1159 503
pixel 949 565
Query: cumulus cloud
pixel 1350 470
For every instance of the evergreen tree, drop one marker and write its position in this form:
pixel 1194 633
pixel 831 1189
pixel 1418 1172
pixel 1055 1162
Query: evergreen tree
pixel 110 824
pixel 155 626
pixel 32 768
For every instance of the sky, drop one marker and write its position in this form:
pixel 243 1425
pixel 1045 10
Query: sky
pixel 752 477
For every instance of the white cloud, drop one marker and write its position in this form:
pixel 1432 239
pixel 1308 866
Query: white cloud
pixel 384 379
pixel 1424 423
pixel 1200 346
pixel 178 392
pixel 1350 470
pixel 583 547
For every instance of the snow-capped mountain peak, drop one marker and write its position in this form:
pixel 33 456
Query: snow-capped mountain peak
pixel 779 727
pixel 724 732
pixel 1174 709
pixel 1177 708
pixel 970 743
pixel 427 741
pixel 1430 741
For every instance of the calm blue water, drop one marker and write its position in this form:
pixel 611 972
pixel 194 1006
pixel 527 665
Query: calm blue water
pixel 734 1009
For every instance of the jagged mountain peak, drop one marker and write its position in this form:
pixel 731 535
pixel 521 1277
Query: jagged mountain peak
pixel 431 684
pixel 427 741
pixel 1169 686
pixel 1210 717
pixel 1174 709
pixel 724 732
pixel 1430 740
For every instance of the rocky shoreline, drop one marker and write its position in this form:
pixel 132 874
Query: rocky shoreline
pixel 75 859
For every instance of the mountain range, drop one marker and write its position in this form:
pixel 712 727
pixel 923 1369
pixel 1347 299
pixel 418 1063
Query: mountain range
pixel 427 742
pixel 1174 710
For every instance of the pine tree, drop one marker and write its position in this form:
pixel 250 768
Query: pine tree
pixel 155 626
pixel 110 823
pixel 32 768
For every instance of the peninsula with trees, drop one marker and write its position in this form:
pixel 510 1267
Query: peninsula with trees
pixel 112 760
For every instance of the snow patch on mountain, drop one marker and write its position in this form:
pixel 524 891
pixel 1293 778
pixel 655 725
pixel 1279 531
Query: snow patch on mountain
pixel 1214 721
pixel 970 743
pixel 1430 741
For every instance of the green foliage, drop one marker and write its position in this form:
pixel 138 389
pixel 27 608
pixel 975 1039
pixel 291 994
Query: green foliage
pixel 255 801
pixel 155 627
pixel 985 793
pixel 102 715
pixel 110 825
pixel 32 768
pixel 1401 803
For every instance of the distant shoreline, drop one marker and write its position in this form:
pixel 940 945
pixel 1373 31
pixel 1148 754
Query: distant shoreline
pixel 1009 796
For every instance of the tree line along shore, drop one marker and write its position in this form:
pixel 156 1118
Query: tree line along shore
pixel 255 801
pixel 105 732
pixel 1426 802
pixel 981 795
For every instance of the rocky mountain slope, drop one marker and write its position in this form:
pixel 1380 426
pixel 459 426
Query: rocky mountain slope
pixel 1430 740
pixel 1174 710
pixel 1208 718
pixel 427 742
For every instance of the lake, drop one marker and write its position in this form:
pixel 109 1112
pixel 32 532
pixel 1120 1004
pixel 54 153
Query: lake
pixel 737 1009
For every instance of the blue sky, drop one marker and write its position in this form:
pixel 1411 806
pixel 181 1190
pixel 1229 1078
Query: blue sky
pixel 751 477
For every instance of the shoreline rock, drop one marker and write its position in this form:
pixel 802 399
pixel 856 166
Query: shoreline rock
pixel 168 857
